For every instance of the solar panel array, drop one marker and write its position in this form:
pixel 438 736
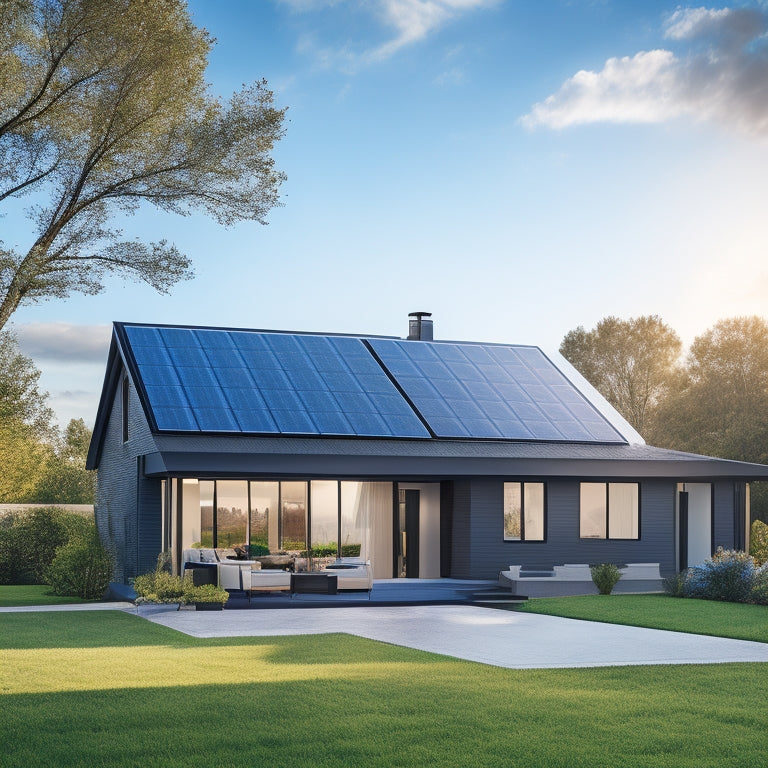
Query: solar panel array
pixel 230 381
pixel 490 391
pixel 239 381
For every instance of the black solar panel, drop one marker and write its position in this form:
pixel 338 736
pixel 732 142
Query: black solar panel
pixel 241 381
pixel 489 391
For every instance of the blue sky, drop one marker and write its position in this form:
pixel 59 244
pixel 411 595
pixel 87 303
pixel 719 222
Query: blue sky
pixel 517 167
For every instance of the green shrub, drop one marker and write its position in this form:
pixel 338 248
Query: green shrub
pixel 605 576
pixel 29 540
pixel 205 593
pixel 674 586
pixel 82 568
pixel 758 542
pixel 760 586
pixel 258 550
pixel 160 585
pixel 350 550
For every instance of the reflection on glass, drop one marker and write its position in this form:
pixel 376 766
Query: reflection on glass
pixel 231 513
pixel 513 500
pixel 264 528
pixel 293 516
pixel 592 511
pixel 324 511
pixel 352 521
pixel 206 513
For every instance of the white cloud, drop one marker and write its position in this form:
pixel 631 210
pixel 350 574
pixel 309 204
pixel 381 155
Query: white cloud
pixel 64 342
pixel 411 21
pixel 726 81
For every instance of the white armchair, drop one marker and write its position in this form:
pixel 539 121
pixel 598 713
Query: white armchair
pixel 352 574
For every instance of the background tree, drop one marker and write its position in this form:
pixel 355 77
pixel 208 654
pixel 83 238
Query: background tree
pixel 25 423
pixel 37 464
pixel 65 479
pixel 722 407
pixel 632 363
pixel 104 106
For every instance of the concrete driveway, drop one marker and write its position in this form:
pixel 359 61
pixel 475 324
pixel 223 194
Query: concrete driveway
pixel 486 635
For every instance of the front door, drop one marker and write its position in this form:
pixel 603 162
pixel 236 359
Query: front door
pixel 407 535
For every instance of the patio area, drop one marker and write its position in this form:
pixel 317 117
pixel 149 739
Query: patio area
pixel 474 633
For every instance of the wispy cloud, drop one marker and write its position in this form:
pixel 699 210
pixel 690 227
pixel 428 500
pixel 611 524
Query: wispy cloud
pixel 64 342
pixel 410 21
pixel 721 76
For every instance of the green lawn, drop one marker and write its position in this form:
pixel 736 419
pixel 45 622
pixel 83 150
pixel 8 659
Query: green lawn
pixel 103 689
pixel 32 594
pixel 704 617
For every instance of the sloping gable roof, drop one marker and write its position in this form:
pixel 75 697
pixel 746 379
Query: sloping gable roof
pixel 233 381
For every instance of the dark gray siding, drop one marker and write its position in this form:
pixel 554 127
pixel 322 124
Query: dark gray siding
pixel 117 490
pixel 461 540
pixel 490 554
pixel 723 511
pixel 150 520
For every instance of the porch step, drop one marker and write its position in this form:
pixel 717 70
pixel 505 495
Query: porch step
pixel 497 596
pixel 537 573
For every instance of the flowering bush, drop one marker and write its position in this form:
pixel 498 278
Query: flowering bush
pixel 728 575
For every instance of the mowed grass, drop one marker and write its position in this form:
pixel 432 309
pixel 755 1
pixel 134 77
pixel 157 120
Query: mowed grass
pixel 703 617
pixel 15 595
pixel 103 689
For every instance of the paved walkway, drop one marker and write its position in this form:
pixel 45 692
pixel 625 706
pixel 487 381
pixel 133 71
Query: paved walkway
pixel 486 635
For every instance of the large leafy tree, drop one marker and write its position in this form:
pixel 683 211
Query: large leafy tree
pixel 25 423
pixel 21 399
pixel 103 107
pixel 632 363
pixel 722 408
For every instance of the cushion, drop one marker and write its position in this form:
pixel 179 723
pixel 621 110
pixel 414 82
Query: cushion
pixel 207 556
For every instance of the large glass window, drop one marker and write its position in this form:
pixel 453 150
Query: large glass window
pixel 206 512
pixel 524 512
pixel 293 516
pixel 324 517
pixel 341 518
pixel 231 513
pixel 264 527
pixel 609 511
pixel 353 521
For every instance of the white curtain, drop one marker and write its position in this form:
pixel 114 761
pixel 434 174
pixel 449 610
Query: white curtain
pixel 373 517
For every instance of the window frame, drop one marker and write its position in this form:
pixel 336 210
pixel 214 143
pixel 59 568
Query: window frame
pixel 523 538
pixel 607 523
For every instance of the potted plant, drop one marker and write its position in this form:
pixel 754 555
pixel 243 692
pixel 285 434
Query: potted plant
pixel 206 597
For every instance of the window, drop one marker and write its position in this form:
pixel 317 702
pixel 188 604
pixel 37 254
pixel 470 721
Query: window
pixel 524 512
pixel 609 511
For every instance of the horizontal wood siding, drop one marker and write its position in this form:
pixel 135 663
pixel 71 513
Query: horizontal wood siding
pixel 461 539
pixel 723 516
pixel 149 521
pixel 490 554
pixel 116 508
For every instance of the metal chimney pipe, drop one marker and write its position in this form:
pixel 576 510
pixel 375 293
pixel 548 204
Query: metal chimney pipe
pixel 420 326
